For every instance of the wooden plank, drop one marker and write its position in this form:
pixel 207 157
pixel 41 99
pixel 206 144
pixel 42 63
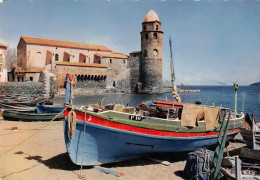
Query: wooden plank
pixel 108 171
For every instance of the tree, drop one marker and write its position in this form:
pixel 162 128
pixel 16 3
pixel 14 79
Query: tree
pixel 11 58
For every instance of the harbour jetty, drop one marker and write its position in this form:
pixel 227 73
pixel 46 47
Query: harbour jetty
pixel 189 90
pixel 169 89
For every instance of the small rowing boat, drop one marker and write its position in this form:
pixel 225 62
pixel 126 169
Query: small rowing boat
pixel 44 113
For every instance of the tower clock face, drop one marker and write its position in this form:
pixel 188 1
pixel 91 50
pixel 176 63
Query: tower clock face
pixel 155 52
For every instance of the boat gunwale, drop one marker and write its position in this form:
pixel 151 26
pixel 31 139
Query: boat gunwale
pixel 102 115
pixel 235 131
pixel 158 127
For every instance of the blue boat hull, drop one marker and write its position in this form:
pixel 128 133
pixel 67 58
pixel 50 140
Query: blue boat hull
pixel 105 145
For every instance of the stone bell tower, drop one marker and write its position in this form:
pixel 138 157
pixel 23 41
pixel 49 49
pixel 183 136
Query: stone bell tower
pixel 151 60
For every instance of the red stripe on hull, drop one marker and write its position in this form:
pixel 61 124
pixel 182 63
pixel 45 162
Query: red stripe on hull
pixel 103 122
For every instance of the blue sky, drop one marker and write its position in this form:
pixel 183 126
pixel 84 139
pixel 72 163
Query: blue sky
pixel 212 39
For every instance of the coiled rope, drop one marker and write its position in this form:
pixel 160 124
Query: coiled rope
pixel 71 123
pixel 207 161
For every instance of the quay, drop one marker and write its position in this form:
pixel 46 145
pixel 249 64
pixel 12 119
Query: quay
pixel 169 90
pixel 189 90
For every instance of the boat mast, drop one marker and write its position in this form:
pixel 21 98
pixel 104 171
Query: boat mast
pixel 175 94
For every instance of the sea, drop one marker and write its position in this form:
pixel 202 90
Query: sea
pixel 209 95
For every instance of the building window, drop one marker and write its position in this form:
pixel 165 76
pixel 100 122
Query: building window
pixel 124 61
pixel 110 61
pixel 114 83
pixel 1 58
pixel 157 27
pixel 66 57
pixel 56 57
pixel 155 35
pixel 146 36
pixel 31 78
pixel 38 52
pixel 145 53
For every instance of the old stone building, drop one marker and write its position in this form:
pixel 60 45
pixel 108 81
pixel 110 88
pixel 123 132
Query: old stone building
pixel 3 63
pixel 146 65
pixel 94 66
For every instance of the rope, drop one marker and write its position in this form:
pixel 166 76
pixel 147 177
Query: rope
pixel 83 148
pixel 71 123
pixel 206 165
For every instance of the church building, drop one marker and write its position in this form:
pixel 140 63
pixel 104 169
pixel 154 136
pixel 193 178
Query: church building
pixel 3 63
pixel 96 66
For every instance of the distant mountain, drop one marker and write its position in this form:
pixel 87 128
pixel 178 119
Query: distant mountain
pixel 255 84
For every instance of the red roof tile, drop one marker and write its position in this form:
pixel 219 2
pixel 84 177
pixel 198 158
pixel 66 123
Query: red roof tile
pixel 65 44
pixel 35 70
pixel 112 55
pixel 81 64
pixel 4 46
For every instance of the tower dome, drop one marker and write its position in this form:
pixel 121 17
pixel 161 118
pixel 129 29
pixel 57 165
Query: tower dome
pixel 151 16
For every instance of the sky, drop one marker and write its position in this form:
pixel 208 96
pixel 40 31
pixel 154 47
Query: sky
pixel 212 39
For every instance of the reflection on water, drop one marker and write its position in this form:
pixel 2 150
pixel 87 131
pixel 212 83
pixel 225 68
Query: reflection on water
pixel 209 95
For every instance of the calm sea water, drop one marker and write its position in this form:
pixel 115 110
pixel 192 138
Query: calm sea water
pixel 219 95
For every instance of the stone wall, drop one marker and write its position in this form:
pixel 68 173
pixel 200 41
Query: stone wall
pixel 49 83
pixel 46 87
pixel 22 88
pixel 91 84
pixel 134 65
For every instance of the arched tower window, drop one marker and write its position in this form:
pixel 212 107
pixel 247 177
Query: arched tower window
pixel 146 36
pixel 155 35
pixel 157 27
pixel 56 57
pixel 145 53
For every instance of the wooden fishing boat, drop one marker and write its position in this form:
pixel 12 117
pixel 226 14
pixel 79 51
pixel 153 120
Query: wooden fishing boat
pixel 251 132
pixel 233 169
pixel 49 109
pixel 29 116
pixel 19 108
pixel 105 136
pixel 31 103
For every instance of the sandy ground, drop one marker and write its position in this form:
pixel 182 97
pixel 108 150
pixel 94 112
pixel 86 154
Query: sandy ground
pixel 36 150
